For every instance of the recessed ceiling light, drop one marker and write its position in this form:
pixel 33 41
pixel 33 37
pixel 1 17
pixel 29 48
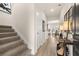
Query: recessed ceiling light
pixel 37 13
pixel 51 10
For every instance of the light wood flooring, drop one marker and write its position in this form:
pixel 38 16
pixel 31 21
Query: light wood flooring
pixel 48 48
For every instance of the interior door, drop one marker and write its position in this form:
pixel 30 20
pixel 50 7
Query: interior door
pixel 39 30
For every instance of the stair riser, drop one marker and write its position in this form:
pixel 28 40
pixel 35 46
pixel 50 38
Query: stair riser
pixel 10 46
pixel 6 30
pixel 7 35
pixel 1 26
pixel 8 40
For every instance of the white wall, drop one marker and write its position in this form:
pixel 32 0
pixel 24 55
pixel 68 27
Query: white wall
pixel 22 20
pixel 23 15
pixel 40 35
pixel 5 19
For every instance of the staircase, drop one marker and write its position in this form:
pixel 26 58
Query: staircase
pixel 10 43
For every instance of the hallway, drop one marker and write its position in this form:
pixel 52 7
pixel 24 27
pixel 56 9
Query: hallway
pixel 48 48
pixel 35 23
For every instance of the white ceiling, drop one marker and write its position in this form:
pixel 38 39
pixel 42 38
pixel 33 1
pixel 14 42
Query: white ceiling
pixel 45 7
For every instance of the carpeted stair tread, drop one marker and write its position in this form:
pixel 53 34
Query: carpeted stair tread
pixel 7 34
pixel 9 46
pixel 16 51
pixel 8 39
